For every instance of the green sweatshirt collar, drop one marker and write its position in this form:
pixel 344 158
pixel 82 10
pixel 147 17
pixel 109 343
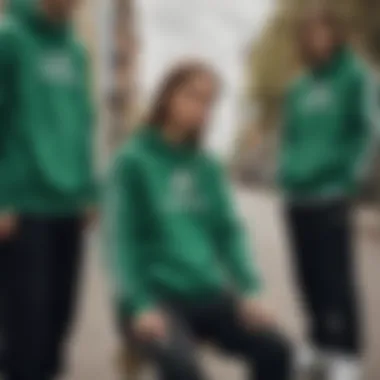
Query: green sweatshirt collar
pixel 34 17
pixel 50 30
pixel 153 135
pixel 333 64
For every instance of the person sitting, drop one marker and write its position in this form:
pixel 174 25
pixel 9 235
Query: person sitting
pixel 178 252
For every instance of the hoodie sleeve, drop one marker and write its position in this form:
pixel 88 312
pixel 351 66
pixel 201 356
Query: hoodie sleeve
pixel 8 67
pixel 231 238
pixel 286 136
pixel 88 105
pixel 364 104
pixel 126 267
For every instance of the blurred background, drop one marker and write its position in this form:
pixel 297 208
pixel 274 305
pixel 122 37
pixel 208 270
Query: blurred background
pixel 250 42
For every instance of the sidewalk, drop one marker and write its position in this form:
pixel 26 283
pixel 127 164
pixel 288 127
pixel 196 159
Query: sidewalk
pixel 94 343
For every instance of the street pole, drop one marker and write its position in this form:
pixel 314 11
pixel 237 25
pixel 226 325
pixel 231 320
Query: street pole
pixel 121 96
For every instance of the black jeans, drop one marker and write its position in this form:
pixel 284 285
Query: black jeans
pixel 324 264
pixel 5 246
pixel 39 270
pixel 267 353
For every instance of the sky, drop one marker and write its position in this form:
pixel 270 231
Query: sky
pixel 218 31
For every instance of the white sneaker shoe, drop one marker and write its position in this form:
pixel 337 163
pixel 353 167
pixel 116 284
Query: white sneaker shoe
pixel 310 365
pixel 343 367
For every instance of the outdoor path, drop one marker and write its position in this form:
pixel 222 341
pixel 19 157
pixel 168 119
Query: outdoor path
pixel 93 347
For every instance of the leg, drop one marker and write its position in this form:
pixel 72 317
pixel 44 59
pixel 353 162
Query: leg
pixel 175 357
pixel 338 320
pixel 339 325
pixel 303 227
pixel 5 247
pixel 324 264
pixel 66 268
pixel 267 353
pixel 28 295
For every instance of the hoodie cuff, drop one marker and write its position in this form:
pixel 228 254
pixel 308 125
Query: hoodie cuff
pixel 137 307
pixel 251 288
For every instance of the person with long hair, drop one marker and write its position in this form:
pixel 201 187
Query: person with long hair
pixel 179 254
pixel 324 147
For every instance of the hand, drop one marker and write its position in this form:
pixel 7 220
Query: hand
pixel 254 314
pixel 8 224
pixel 150 325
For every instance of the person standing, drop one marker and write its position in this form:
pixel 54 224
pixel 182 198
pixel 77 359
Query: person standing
pixel 47 181
pixel 177 251
pixel 324 148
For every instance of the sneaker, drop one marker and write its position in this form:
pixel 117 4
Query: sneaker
pixel 316 371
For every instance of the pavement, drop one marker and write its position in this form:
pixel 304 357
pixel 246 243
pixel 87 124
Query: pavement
pixel 93 346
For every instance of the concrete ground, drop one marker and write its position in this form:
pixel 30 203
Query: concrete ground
pixel 93 347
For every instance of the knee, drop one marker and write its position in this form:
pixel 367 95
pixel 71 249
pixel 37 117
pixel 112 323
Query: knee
pixel 177 364
pixel 276 351
pixel 281 352
pixel 28 366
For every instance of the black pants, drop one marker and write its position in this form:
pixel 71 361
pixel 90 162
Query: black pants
pixel 39 270
pixel 266 353
pixel 324 263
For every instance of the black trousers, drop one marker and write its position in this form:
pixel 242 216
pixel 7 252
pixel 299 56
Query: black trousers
pixel 266 353
pixel 39 274
pixel 325 271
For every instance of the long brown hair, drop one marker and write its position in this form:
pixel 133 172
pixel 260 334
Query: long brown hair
pixel 319 14
pixel 177 77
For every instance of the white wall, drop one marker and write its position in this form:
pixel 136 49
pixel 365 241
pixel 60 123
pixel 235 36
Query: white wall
pixel 219 31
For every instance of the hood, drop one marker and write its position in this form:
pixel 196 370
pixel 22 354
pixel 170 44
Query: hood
pixel 28 12
pixel 153 135
pixel 339 58
pixel 21 8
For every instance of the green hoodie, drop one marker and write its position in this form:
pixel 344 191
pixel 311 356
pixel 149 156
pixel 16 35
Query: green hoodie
pixel 326 130
pixel 171 226
pixel 20 8
pixel 45 115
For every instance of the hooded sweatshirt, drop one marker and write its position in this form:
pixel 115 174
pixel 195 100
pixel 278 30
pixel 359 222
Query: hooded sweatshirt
pixel 327 129
pixel 20 8
pixel 46 116
pixel 171 226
